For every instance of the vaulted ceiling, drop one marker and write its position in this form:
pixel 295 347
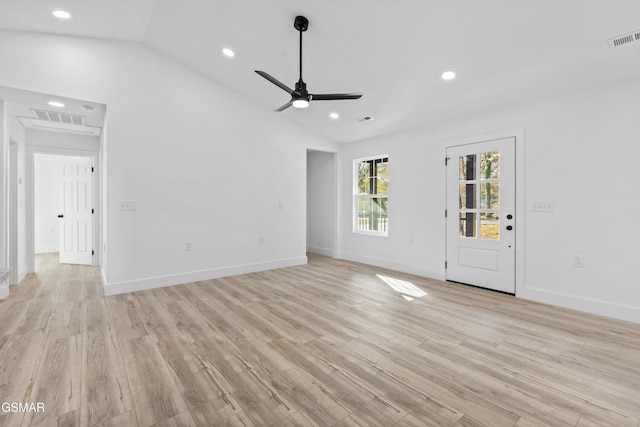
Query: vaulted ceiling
pixel 504 52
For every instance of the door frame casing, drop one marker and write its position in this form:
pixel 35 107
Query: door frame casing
pixel 520 202
pixel 31 151
pixel 14 211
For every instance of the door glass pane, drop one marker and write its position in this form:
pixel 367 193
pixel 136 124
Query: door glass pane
pixel 490 226
pixel 467 224
pixel 490 165
pixel 490 195
pixel 468 196
pixel 467 167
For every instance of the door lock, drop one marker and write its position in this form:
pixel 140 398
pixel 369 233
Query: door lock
pixel 509 227
pixel 60 216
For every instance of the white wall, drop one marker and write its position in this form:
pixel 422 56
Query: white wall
pixel 321 202
pixel 581 153
pixel 201 162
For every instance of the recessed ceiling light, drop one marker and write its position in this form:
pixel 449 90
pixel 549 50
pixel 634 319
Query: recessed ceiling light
pixel 228 52
pixel 334 115
pixel 61 14
pixel 448 75
pixel 56 104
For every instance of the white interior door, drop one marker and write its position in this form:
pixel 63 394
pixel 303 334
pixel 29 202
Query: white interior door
pixel 481 214
pixel 76 216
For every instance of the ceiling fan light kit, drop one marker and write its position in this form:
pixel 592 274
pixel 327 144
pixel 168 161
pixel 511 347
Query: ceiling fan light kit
pixel 300 103
pixel 300 97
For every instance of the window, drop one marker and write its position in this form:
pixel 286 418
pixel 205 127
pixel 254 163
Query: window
pixel 371 182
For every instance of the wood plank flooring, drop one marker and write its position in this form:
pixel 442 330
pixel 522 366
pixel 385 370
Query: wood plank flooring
pixel 332 343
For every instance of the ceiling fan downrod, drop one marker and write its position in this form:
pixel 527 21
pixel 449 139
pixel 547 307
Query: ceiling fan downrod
pixel 301 24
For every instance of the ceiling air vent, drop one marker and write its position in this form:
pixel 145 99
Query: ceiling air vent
pixel 53 116
pixel 365 119
pixel 61 122
pixel 625 39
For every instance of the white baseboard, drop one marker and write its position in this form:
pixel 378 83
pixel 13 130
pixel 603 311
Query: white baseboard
pixel 320 251
pixel 103 276
pixel 405 268
pixel 601 308
pixel 22 273
pixel 195 276
pixel 598 307
pixel 47 249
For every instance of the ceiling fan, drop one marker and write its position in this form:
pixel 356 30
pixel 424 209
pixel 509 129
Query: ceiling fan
pixel 300 97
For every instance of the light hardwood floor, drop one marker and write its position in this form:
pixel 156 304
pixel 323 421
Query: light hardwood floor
pixel 327 344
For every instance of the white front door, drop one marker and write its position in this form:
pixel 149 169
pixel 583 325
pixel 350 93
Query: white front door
pixel 76 216
pixel 481 214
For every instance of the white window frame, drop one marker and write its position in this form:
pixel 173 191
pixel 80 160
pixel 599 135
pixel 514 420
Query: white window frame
pixel 356 196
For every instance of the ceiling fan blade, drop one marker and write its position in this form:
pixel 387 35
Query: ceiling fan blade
pixel 275 82
pixel 334 96
pixel 285 106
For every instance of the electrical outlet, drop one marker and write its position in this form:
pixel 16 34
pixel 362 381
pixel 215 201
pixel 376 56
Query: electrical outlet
pixel 542 207
pixel 578 261
pixel 127 205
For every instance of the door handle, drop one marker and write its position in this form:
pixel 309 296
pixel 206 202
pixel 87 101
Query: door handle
pixel 60 216
pixel 509 227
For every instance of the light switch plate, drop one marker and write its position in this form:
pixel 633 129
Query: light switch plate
pixel 542 207
pixel 127 205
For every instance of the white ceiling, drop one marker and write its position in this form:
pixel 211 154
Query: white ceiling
pixel 504 52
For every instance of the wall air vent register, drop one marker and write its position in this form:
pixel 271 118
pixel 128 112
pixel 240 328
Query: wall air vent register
pixel 625 39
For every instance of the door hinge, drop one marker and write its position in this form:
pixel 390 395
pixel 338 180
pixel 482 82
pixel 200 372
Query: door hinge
pixel 445 213
pixel 93 252
pixel 92 211
pixel 445 265
pixel 91 168
pixel 446 161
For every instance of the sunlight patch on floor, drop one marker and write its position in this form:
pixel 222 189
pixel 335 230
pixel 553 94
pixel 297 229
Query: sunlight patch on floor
pixel 408 290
